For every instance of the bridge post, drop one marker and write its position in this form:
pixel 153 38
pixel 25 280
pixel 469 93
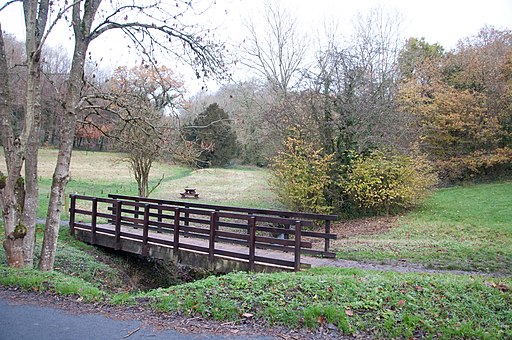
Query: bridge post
pixel 94 219
pixel 327 231
pixel 214 216
pixel 72 215
pixel 136 213
pixel 145 231
pixel 298 231
pixel 160 212
pixel 252 242
pixel 217 225
pixel 117 241
pixel 187 215
pixel 177 213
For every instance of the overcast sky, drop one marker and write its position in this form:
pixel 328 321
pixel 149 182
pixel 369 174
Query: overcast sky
pixel 439 21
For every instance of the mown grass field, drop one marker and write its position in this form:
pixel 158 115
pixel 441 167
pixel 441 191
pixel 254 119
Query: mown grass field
pixel 467 228
pixel 101 173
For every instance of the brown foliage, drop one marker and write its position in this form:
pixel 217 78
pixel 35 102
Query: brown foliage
pixel 463 106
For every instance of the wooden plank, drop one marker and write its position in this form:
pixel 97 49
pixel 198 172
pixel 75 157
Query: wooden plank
pixel 83 212
pixel 72 215
pixel 327 231
pixel 160 217
pixel 227 235
pixel 317 234
pixel 93 222
pixel 99 199
pixel 145 232
pixel 274 261
pixel 194 247
pixel 252 241
pixel 177 213
pixel 211 242
pixel 227 253
pixel 117 238
pixel 82 225
pixel 298 229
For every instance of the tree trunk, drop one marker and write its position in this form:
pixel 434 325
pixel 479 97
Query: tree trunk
pixel 29 217
pixel 13 158
pixel 67 133
pixel 61 172
pixel 36 13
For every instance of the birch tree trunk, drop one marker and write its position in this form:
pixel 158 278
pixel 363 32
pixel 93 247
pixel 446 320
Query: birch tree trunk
pixel 36 15
pixel 19 203
pixel 11 206
pixel 60 178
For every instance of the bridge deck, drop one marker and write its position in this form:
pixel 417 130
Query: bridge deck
pixel 161 247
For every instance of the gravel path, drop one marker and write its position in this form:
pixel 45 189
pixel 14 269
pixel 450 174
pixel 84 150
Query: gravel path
pixel 400 267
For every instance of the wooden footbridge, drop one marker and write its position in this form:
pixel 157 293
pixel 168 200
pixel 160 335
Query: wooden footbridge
pixel 218 238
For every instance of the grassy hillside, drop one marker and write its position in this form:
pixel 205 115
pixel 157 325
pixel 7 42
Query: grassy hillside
pixel 101 173
pixel 468 228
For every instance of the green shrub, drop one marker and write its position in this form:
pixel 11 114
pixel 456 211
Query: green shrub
pixel 389 183
pixel 300 176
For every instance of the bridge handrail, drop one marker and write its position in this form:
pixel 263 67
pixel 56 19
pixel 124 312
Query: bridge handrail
pixel 327 219
pixel 260 211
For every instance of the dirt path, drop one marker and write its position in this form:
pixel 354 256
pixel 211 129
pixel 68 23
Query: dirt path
pixel 374 226
pixel 399 267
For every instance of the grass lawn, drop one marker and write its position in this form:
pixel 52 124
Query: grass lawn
pixel 467 228
pixel 356 302
pixel 386 305
pixel 101 173
pixel 242 186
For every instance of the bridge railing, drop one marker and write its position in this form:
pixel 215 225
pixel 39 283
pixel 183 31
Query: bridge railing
pixel 216 225
pixel 323 219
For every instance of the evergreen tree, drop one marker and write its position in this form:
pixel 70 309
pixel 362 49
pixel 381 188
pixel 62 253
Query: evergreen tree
pixel 212 131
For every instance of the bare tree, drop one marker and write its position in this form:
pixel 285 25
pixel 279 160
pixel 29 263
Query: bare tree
pixel 277 51
pixel 147 100
pixel 19 210
pixel 355 85
pixel 154 26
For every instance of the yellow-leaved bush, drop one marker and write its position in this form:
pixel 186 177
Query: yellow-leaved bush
pixel 300 176
pixel 387 184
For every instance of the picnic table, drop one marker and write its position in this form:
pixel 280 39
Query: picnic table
pixel 189 193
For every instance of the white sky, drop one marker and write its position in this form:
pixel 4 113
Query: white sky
pixel 439 21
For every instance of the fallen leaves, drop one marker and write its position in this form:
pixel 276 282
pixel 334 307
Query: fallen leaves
pixel 500 286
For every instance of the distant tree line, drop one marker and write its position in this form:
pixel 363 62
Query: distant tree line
pixel 358 114
pixel 371 112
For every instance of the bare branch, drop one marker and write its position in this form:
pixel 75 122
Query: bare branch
pixel 9 3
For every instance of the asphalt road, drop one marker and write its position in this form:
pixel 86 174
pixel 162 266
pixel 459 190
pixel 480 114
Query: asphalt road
pixel 32 322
